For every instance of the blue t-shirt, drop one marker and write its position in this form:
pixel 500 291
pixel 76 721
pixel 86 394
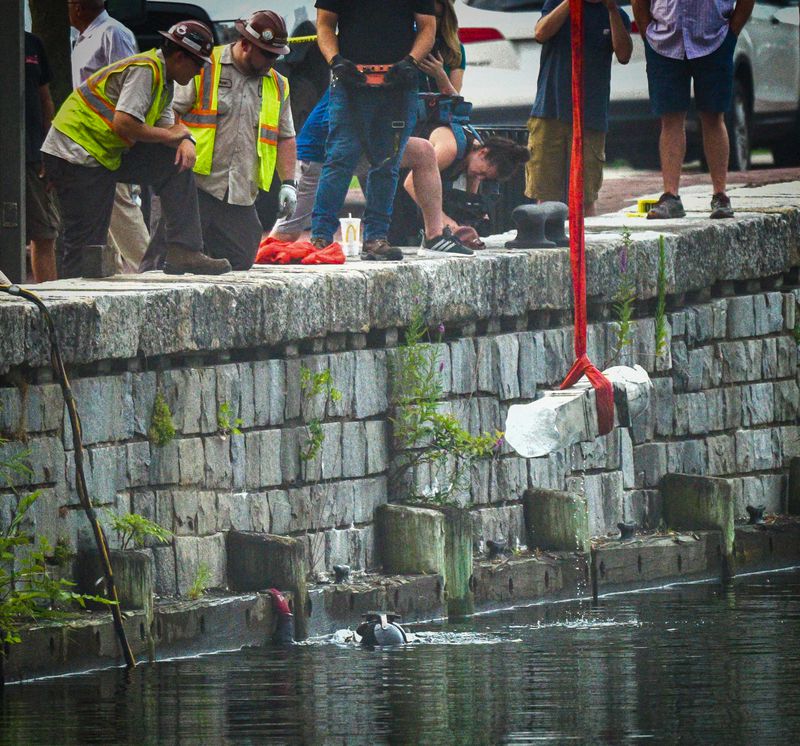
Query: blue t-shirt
pixel 314 132
pixel 554 88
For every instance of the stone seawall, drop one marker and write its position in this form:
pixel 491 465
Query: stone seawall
pixel 726 388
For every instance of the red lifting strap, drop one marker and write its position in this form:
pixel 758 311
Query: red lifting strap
pixel 582 365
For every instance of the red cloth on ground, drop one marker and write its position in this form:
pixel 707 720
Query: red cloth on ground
pixel 331 254
pixel 582 365
pixel 273 251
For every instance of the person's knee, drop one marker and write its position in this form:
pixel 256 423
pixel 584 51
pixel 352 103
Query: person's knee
pixel 419 153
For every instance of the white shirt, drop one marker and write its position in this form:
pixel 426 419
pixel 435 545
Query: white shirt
pixel 104 41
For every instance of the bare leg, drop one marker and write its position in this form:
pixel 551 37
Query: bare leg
pixel 589 209
pixel 716 147
pixel 424 183
pixel 43 259
pixel 672 148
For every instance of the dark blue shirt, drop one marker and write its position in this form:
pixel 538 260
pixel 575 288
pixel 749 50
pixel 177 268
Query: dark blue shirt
pixel 311 138
pixel 554 88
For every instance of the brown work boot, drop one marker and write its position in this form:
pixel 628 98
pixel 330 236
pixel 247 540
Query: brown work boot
pixel 182 261
pixel 380 250
pixel 318 242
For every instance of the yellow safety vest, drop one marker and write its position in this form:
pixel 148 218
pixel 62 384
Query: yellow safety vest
pixel 87 114
pixel 202 119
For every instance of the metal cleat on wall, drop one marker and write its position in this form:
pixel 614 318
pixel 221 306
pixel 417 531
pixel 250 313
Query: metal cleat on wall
pixel 539 226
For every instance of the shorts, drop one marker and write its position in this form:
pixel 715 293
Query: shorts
pixel 547 171
pixel 669 81
pixel 308 175
pixel 42 216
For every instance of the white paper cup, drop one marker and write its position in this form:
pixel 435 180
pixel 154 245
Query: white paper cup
pixel 351 236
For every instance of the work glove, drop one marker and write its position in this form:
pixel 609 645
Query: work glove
pixel 287 199
pixel 346 71
pixel 403 74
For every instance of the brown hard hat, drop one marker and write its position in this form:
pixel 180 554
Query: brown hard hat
pixel 193 37
pixel 266 30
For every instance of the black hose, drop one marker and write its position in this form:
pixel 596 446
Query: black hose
pixel 80 478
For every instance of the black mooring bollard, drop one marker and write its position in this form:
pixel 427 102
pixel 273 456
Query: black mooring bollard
pixel 539 226
pixel 756 513
pixel 554 223
pixel 341 573
pixel 626 530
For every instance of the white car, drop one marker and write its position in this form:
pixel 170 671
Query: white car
pixel 503 66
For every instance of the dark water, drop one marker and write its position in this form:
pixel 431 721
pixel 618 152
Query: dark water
pixel 690 664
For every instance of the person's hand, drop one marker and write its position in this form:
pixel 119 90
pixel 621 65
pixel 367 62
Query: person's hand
pixel 185 156
pixel 346 71
pixel 433 65
pixel 403 74
pixel 287 199
pixel 177 133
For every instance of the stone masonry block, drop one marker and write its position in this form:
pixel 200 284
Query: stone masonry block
pixel 138 457
pixel 191 460
pixel 756 450
pixel 165 464
pixel 195 512
pixel 650 463
pixel 182 392
pixel 290 453
pixel 699 324
pixel 687 456
pixel 758 404
pixel 789 311
pixel 105 406
pixel 377 433
pixel 556 520
pixel 354 449
pixel 269 392
pixel 719 308
pixel 411 540
pixel 721 454
pixel 787 356
pixel 208 400
pixel 332 450
pixel 787 401
pixel 342 368
pixel 238 461
pixel 263 459
pixel 370 385
pixel 507 360
pixel 293 395
pixel 143 388
pixel 741 317
pixel 663 403
pixel 228 389
pixel 219 469
pixel 368 494
pixel 500 524
pixel 698 413
pixel 313 408
pixel 195 552
pixel 768 313
pixel 463 362
pixel 247 402
pixel 486 365
pixel 530 365
pixel 692 503
pixel 769 358
pixel 741 361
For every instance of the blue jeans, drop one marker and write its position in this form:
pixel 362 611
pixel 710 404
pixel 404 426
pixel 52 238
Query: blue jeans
pixel 363 116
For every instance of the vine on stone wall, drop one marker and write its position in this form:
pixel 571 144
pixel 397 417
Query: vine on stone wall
pixel 423 434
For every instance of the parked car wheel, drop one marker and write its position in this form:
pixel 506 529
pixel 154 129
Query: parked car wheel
pixel 738 122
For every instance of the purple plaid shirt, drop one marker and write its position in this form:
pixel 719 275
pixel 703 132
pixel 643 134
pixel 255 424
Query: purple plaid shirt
pixel 687 29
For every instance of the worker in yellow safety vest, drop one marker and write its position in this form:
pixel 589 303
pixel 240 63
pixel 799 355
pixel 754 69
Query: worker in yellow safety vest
pixel 238 111
pixel 118 126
